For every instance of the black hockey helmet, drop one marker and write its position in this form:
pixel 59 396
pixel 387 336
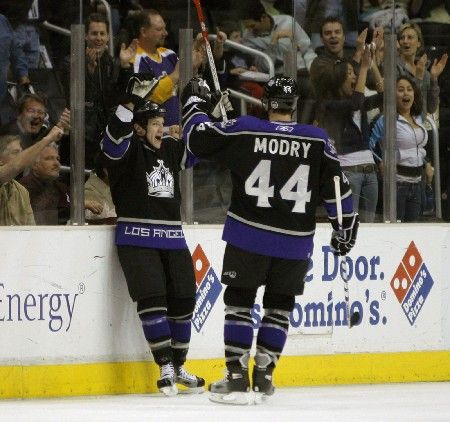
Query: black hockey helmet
pixel 280 93
pixel 148 111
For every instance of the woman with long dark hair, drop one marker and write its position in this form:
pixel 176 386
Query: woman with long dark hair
pixel 343 114
pixel 410 149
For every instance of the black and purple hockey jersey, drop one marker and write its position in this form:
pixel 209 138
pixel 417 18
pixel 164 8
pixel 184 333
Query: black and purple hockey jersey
pixel 144 185
pixel 280 172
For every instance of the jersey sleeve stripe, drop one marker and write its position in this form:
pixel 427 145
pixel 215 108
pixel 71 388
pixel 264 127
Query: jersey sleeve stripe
pixel 114 150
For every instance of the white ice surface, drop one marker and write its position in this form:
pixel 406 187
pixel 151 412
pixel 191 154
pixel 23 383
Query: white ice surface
pixel 424 402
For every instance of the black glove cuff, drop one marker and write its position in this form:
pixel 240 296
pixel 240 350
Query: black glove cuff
pixel 137 101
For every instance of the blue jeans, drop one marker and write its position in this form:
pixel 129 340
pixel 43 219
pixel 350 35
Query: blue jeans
pixel 365 194
pixel 409 201
pixel 28 37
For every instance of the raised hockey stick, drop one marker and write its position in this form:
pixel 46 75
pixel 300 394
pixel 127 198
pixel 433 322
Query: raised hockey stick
pixel 354 318
pixel 201 21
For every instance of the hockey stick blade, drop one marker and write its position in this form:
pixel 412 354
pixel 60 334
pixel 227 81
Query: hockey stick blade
pixel 354 319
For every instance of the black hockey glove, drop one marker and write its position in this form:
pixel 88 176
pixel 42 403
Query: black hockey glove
pixel 140 86
pixel 197 92
pixel 342 241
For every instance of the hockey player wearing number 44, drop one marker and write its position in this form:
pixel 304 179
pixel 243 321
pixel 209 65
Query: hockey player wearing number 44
pixel 143 168
pixel 280 171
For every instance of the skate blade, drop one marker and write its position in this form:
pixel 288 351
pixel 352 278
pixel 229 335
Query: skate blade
pixel 193 390
pixel 235 398
pixel 260 398
pixel 169 391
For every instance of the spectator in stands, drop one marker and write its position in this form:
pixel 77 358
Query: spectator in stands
pixel 343 114
pixel 410 149
pixel 378 13
pixel 99 83
pixel 32 124
pixel 24 16
pixel 412 62
pixel 238 64
pixel 333 38
pixel 97 189
pixel 15 207
pixel 310 14
pixel 426 9
pixel 274 36
pixel 12 54
pixel 48 196
pixel 152 57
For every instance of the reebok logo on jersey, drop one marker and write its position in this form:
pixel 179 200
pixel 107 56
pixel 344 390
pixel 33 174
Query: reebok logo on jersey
pixel 160 181
pixel 208 288
pixel 412 283
pixel 231 274
pixel 284 128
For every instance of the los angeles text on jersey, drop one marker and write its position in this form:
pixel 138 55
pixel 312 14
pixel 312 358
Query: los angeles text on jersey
pixel 282 147
pixel 154 232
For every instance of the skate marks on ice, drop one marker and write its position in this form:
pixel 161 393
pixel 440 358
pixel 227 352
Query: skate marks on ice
pixel 389 402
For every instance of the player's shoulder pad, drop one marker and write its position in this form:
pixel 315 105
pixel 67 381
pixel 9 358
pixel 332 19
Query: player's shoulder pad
pixel 310 131
pixel 240 125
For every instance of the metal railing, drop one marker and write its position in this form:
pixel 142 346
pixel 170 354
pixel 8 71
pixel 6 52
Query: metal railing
pixel 249 50
pixel 244 100
pixel 56 28
pixel 437 168
pixel 110 27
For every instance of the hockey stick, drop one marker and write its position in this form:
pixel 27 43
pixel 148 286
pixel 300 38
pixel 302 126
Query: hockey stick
pixel 201 21
pixel 354 318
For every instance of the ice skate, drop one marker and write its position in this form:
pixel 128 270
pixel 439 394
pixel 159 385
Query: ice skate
pixel 233 388
pixel 192 383
pixel 262 383
pixel 166 382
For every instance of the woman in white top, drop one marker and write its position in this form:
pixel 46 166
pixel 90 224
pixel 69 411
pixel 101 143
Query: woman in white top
pixel 410 149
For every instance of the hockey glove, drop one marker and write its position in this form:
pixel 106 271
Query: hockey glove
pixel 140 86
pixel 342 241
pixel 218 98
pixel 197 92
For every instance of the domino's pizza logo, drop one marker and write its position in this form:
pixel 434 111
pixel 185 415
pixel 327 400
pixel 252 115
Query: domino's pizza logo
pixel 412 283
pixel 208 288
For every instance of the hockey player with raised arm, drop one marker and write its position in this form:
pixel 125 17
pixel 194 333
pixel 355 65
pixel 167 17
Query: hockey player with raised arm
pixel 280 172
pixel 143 169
